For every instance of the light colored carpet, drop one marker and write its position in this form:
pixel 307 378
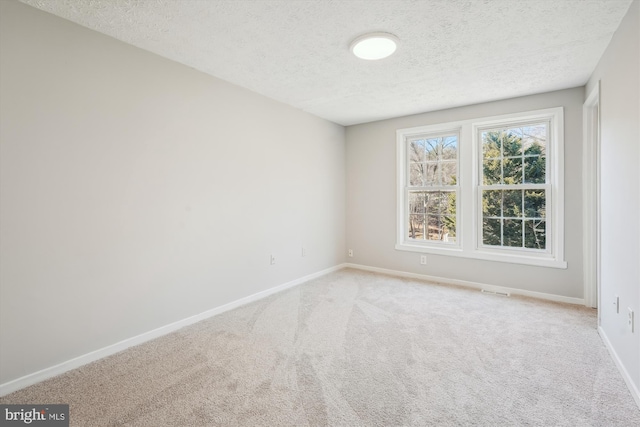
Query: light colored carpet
pixel 355 348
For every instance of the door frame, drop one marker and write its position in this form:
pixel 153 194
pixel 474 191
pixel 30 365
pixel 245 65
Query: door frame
pixel 591 198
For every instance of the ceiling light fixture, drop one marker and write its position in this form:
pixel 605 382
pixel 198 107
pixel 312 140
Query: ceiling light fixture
pixel 374 46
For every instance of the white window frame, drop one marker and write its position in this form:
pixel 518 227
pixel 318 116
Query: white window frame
pixel 469 204
pixel 404 188
pixel 427 132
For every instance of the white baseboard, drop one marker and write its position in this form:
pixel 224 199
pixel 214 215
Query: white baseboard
pixel 35 377
pixel 475 285
pixel 633 389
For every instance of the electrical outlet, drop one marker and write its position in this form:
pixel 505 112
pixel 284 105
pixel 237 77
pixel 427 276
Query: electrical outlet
pixel 273 259
pixel 350 252
pixel 304 251
pixel 631 321
pixel 616 303
pixel 423 260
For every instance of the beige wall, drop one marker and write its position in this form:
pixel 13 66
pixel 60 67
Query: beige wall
pixel 371 200
pixel 137 192
pixel 619 76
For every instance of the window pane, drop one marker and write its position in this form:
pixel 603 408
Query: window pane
pixel 435 227
pixel 491 231
pixel 521 151
pixel 417 151
pixel 449 172
pixel 450 148
pixel 514 156
pixel 440 202
pixel 512 170
pixel 433 161
pixel 492 203
pixel 492 172
pixel 433 202
pixel 512 203
pixel 431 147
pixel 515 134
pixel 511 142
pixel 535 203
pixel 416 226
pixel 535 234
pixel 491 145
pixel 534 139
pixel 448 203
pixel 431 174
pixel 416 174
pixel 512 233
pixel 417 202
pixel 535 170
pixel 449 228
pixel 432 215
pixel 441 228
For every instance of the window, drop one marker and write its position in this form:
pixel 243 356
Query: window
pixel 489 188
pixel 514 186
pixel 432 189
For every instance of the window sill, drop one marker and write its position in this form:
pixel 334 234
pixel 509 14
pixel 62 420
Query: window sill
pixel 538 261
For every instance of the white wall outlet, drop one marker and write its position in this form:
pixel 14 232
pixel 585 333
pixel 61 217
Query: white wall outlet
pixel 304 251
pixel 350 252
pixel 631 322
pixel 423 260
pixel 616 303
pixel 273 259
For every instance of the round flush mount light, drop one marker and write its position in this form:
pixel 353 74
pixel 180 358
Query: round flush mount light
pixel 374 46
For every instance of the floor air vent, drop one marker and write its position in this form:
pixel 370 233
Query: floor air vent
pixel 502 294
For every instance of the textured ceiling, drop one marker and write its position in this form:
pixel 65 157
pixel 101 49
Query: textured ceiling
pixel 451 52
